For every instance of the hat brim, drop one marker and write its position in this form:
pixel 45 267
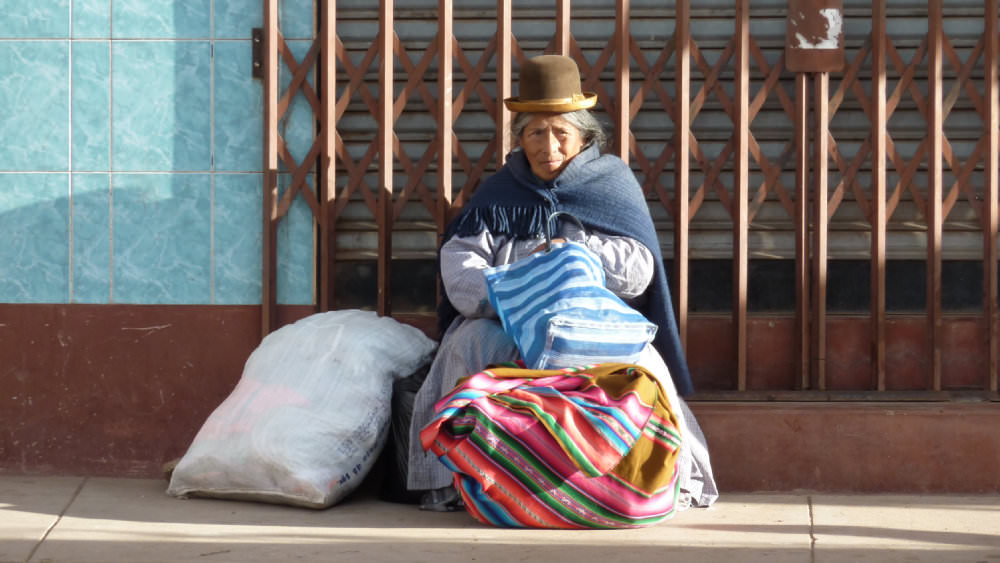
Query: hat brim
pixel 561 105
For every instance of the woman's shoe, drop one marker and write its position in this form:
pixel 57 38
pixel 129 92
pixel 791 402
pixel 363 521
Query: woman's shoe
pixel 445 499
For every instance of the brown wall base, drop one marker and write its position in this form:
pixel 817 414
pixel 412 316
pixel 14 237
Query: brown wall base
pixel 120 389
pixel 855 447
pixel 115 389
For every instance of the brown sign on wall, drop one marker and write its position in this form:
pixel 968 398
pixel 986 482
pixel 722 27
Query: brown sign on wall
pixel 814 36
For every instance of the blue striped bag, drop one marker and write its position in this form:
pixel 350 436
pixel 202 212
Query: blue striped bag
pixel 555 306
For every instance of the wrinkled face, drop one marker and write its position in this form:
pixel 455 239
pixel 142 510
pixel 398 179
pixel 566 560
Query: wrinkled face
pixel 550 142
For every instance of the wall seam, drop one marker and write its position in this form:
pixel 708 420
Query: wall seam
pixel 211 152
pixel 70 251
pixel 111 152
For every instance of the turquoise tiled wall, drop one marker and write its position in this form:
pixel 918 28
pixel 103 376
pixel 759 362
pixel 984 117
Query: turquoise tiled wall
pixel 34 228
pixel 130 161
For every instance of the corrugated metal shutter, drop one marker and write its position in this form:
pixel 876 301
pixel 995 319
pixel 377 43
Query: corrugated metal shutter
pixel 772 228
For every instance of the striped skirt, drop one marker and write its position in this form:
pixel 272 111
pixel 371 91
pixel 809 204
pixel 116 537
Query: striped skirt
pixel 588 447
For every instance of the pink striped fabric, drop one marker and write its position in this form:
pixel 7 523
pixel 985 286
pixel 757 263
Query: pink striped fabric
pixel 588 447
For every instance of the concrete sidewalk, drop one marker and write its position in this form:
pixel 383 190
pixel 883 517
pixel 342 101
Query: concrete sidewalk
pixel 63 519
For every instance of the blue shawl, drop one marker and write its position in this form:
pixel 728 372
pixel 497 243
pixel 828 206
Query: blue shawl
pixel 603 193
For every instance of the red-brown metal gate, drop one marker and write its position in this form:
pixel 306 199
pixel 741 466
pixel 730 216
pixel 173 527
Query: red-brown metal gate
pixel 680 175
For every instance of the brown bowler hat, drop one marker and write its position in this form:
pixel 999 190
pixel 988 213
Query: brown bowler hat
pixel 550 83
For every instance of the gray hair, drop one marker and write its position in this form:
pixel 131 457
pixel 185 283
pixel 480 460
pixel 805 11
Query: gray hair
pixel 588 125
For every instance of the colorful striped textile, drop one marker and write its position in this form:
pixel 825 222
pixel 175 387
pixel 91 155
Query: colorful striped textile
pixel 588 447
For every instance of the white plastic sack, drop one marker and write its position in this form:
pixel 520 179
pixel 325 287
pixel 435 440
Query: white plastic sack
pixel 309 415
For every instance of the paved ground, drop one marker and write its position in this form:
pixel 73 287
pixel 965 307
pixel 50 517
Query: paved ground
pixel 65 519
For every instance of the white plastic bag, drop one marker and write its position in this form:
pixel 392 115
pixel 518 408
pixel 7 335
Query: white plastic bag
pixel 309 415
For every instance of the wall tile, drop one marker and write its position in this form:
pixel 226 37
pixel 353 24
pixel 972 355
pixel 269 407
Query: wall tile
pixel 237 244
pixel 157 19
pixel 161 97
pixel 34 95
pixel 296 251
pixel 162 238
pixel 92 19
pixel 234 19
pixel 295 18
pixel 34 228
pixel 91 105
pixel 36 19
pixel 239 108
pixel 91 238
pixel 298 125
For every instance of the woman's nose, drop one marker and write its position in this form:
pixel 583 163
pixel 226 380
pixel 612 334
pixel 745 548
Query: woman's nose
pixel 554 146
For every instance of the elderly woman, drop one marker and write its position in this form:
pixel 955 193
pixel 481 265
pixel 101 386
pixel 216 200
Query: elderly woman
pixel 557 166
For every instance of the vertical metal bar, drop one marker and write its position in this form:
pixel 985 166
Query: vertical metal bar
pixel 562 27
pixel 504 49
pixel 622 78
pixel 802 228
pixel 990 227
pixel 878 219
pixel 327 172
pixel 385 160
pixel 269 244
pixel 934 179
pixel 741 188
pixel 445 117
pixel 821 112
pixel 682 159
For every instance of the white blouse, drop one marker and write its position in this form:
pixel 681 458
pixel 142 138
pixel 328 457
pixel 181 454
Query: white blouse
pixel 628 265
